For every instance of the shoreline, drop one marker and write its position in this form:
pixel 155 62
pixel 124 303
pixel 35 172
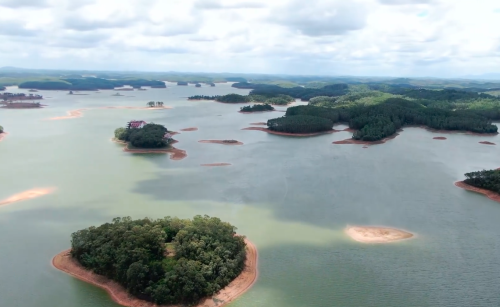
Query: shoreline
pixel 189 129
pixel 241 284
pixel 377 234
pixel 357 142
pixel 487 143
pixel 175 153
pixel 259 124
pixel 290 134
pixel 216 164
pixel 449 131
pixel 257 112
pixel 490 194
pixel 219 142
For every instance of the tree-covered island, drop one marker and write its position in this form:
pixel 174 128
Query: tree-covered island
pixel 278 99
pixel 486 182
pixel 139 134
pixel 164 261
pixel 90 84
pixel 257 108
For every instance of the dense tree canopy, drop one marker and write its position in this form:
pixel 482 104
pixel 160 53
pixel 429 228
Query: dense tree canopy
pixel 149 136
pixel 206 256
pixel 257 108
pixel 300 124
pixel 489 180
pixel 82 84
pixel 233 98
pixel 303 93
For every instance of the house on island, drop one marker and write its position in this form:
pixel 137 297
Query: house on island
pixel 136 124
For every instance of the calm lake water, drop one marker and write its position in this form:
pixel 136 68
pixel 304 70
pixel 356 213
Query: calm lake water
pixel 291 196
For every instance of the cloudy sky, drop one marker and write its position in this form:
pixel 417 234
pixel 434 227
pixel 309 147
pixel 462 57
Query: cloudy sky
pixel 328 37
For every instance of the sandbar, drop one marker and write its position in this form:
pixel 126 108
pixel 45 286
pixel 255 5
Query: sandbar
pixel 490 194
pixel 64 262
pixel 372 234
pixel 288 134
pixel 190 129
pixel 487 143
pixel 71 114
pixel 175 153
pixel 439 138
pixel 33 193
pixel 3 135
pixel 217 164
pixel 353 141
pixel 222 142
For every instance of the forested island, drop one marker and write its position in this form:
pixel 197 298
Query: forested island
pixel 21 105
pixel 139 134
pixel 278 99
pixel 302 93
pixel 182 83
pixel 89 84
pixel 19 96
pixel 164 261
pixel 486 182
pixel 257 108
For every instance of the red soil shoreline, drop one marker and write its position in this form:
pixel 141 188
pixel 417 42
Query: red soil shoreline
pixel 217 164
pixel 487 143
pixel 175 153
pixel 289 134
pixel 490 194
pixel 259 124
pixel 190 129
pixel 352 141
pixel 219 142
pixel 450 131
pixel 33 193
pixel 439 138
pixel 236 288
pixel 3 135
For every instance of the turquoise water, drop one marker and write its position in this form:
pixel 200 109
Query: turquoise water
pixel 291 196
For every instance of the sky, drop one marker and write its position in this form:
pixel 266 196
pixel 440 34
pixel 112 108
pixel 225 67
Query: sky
pixel 434 38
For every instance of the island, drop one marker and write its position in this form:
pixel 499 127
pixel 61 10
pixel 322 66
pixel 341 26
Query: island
pixel 257 108
pixel 19 96
pixel 371 234
pixel 90 84
pixel 21 105
pixel 141 137
pixel 300 126
pixel 147 262
pixel 271 99
pixel 197 85
pixel 439 138
pixel 182 83
pixel 33 193
pixel 487 143
pixel 486 182
pixel 223 142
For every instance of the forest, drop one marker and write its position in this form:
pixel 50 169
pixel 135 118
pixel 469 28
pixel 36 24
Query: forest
pixel 257 108
pixel 203 97
pixel 278 99
pixel 303 93
pixel 233 98
pixel 149 136
pixel 300 124
pixel 489 180
pixel 182 83
pixel 89 84
pixel 165 261
pixel 375 122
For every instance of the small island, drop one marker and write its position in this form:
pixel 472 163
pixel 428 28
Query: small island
pixel 257 108
pixel 223 142
pixel 371 234
pixel 197 85
pixel 141 137
pixel 483 182
pixel 487 143
pixel 182 83
pixel 299 125
pixel 147 263
pixel 442 138
pixel 272 99
pixel 21 105
pixel 19 96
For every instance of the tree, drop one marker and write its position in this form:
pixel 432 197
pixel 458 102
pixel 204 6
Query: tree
pixel 151 104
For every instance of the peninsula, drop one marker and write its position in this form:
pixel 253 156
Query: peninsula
pixel 171 268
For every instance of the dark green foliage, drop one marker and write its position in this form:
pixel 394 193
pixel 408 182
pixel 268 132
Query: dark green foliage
pixel 300 124
pixel 257 108
pixel 2 88
pixel 443 95
pixel 233 98
pixel 182 83
pixel 203 97
pixel 197 85
pixel 1 129
pixel 377 122
pixel 489 180
pixel 149 136
pixel 295 92
pixel 87 84
pixel 282 100
pixel 208 256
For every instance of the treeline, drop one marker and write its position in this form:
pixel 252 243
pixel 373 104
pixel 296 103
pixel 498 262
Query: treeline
pixel 489 180
pixel 149 136
pixel 206 256
pixel 257 108
pixel 203 97
pixel 379 121
pixel 233 98
pixel 300 124
pixel 87 84
pixel 302 93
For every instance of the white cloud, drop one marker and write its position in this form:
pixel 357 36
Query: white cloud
pixel 337 37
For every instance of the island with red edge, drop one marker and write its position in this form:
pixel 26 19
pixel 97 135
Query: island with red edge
pixel 170 267
pixel 483 182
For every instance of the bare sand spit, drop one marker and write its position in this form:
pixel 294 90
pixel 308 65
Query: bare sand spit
pixel 353 141
pixel 487 143
pixel 222 142
pixel 490 194
pixel 288 134
pixel 3 135
pixel 259 124
pixel 71 114
pixel 217 164
pixel 371 234
pixel 190 129
pixel 64 262
pixel 439 138
pixel 34 193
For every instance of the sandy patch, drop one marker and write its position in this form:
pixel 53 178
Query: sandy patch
pixel 34 193
pixel 487 143
pixel 490 194
pixel 217 164
pixel 439 138
pixel 175 153
pixel 288 134
pixel 371 234
pixel 222 142
pixel 3 135
pixel 190 129
pixel 71 114
pixel 353 141
pixel 64 262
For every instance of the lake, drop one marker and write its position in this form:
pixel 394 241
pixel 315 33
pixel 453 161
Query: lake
pixel 292 197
